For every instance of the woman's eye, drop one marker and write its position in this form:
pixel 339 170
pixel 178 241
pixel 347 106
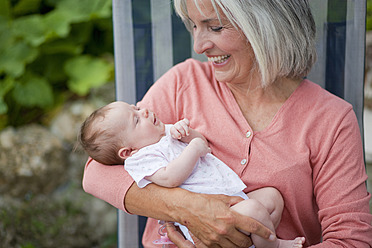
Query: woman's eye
pixel 216 29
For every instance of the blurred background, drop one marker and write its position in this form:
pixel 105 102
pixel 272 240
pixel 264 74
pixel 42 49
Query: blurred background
pixel 56 67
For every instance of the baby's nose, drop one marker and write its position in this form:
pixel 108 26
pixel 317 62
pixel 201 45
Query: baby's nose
pixel 145 112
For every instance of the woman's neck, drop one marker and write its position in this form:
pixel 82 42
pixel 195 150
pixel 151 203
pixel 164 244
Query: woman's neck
pixel 259 105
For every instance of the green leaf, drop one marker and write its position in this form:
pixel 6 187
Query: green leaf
pixel 32 28
pixel 15 56
pixel 3 107
pixel 26 6
pixel 85 10
pixel 34 91
pixel 6 37
pixel 66 46
pixel 5 86
pixel 81 33
pixel 50 66
pixel 86 72
pixel 37 29
pixel 5 8
pixel 58 24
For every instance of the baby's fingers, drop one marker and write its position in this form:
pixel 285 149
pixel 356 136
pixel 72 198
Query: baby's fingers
pixel 175 133
pixel 180 129
pixel 186 121
pixel 184 127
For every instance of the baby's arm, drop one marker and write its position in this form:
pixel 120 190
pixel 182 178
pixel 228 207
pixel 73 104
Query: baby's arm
pixel 178 170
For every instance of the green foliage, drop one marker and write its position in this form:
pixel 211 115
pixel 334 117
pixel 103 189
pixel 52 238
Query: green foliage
pixel 51 50
pixel 369 15
pixel 86 72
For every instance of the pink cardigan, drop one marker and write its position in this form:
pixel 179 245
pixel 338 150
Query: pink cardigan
pixel 311 152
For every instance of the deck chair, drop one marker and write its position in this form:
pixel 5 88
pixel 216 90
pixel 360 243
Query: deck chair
pixel 149 38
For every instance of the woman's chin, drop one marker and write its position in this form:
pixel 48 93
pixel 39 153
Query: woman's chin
pixel 222 76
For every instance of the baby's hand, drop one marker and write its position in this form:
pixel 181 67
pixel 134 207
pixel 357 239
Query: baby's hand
pixel 180 129
pixel 200 146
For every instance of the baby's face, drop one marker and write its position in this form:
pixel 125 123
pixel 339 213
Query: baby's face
pixel 140 127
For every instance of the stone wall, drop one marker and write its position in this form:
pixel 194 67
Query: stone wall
pixel 42 203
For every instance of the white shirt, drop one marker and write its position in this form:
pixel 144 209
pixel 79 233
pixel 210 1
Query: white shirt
pixel 210 175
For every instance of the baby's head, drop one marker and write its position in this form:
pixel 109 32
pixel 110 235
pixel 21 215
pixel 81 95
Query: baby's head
pixel 116 131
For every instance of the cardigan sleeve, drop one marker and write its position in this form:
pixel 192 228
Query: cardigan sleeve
pixel 340 189
pixel 108 183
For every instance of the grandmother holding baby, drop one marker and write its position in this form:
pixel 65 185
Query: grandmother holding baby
pixel 265 120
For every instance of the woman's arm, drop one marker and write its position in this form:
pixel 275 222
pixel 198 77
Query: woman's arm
pixel 108 183
pixel 208 217
pixel 340 189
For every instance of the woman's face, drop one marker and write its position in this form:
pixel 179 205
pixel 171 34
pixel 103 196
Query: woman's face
pixel 226 48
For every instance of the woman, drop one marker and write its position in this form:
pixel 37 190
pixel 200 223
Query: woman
pixel 262 118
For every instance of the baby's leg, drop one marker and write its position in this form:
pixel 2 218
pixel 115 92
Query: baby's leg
pixel 272 200
pixel 256 210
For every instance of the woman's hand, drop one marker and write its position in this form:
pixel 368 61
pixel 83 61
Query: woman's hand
pixel 179 240
pixel 176 236
pixel 210 219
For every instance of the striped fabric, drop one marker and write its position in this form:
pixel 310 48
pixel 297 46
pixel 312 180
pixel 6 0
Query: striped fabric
pixel 149 38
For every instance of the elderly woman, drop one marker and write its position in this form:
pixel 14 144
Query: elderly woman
pixel 264 119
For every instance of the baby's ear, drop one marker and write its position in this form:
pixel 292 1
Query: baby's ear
pixel 125 152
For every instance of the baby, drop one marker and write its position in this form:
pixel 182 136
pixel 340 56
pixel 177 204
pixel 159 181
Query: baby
pixel 175 156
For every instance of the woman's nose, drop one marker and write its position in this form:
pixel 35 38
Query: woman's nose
pixel 201 42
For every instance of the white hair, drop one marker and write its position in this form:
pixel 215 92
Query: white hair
pixel 280 32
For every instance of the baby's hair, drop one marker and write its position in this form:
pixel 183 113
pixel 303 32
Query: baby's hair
pixel 98 140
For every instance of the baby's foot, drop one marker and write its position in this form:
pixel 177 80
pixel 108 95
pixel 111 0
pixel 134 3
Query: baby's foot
pixel 298 242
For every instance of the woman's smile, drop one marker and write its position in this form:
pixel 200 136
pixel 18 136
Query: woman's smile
pixel 218 60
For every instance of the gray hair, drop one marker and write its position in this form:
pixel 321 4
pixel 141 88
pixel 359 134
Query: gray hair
pixel 281 33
